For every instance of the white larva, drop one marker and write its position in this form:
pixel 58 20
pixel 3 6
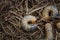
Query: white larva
pixel 49 10
pixel 26 26
pixel 49 32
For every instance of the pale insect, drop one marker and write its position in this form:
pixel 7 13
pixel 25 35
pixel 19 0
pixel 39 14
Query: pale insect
pixel 49 11
pixel 29 23
pixel 49 31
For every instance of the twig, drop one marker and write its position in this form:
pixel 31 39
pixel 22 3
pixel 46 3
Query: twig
pixel 16 14
pixel 34 6
pixel 8 33
pixel 14 26
pixel 21 3
pixel 26 3
pixel 3 6
pixel 37 9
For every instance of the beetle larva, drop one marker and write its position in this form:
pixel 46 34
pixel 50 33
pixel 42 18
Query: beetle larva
pixel 49 11
pixel 49 32
pixel 29 23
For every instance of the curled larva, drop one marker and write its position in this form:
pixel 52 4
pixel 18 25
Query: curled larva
pixel 49 11
pixel 58 25
pixel 29 23
pixel 49 32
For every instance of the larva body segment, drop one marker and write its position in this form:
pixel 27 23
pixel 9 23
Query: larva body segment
pixel 49 11
pixel 58 25
pixel 49 32
pixel 28 23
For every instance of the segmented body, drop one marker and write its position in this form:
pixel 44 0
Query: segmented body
pixel 49 32
pixel 49 11
pixel 58 25
pixel 29 22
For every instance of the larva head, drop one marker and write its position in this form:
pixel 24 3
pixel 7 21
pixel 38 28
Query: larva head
pixel 29 22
